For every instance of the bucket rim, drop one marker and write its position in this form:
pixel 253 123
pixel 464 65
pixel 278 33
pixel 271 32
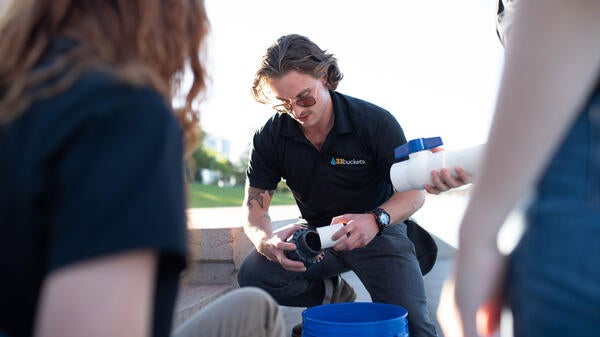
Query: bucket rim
pixel 403 316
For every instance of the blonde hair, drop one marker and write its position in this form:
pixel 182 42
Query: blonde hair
pixel 142 42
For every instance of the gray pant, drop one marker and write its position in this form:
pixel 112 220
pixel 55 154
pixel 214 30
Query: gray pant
pixel 248 312
pixel 387 267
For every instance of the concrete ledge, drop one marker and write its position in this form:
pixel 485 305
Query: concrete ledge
pixel 216 254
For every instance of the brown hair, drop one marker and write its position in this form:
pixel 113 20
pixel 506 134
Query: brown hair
pixel 295 52
pixel 142 42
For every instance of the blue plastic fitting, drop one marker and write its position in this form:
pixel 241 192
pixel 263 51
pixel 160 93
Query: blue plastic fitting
pixel 416 145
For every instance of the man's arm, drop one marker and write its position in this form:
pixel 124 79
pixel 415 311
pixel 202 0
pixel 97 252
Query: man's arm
pixel 362 228
pixel 259 229
pixel 402 205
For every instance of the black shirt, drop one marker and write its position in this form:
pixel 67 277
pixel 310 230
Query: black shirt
pixel 94 171
pixel 350 174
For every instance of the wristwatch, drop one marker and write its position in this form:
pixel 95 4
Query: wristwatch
pixel 382 218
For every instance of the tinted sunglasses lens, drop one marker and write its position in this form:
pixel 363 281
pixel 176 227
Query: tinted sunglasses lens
pixel 306 101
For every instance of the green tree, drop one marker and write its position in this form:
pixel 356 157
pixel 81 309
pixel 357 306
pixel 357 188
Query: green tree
pixel 203 158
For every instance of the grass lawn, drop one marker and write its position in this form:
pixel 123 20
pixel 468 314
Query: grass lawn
pixel 215 196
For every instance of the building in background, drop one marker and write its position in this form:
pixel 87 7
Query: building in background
pixel 221 146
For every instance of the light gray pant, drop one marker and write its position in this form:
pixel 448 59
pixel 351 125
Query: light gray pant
pixel 246 312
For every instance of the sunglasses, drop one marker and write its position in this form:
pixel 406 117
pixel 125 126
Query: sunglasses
pixel 288 105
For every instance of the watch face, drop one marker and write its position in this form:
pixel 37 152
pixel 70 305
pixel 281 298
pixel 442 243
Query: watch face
pixel 384 218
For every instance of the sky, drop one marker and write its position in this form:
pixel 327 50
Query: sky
pixel 434 64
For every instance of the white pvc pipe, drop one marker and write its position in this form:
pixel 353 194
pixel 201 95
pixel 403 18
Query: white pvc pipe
pixel 415 172
pixel 325 234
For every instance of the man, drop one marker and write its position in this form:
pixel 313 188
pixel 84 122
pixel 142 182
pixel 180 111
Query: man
pixel 335 152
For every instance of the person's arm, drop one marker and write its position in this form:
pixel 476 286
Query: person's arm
pixel 108 296
pixel 552 62
pixel 363 228
pixel 259 229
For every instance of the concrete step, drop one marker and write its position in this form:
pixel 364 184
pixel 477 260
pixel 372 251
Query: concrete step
pixel 217 246
pixel 216 254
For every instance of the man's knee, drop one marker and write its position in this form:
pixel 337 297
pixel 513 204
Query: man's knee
pixel 247 275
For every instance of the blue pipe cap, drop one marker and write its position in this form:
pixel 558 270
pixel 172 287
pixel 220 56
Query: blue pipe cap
pixel 417 145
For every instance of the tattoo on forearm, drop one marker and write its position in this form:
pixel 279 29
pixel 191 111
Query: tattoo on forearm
pixel 258 195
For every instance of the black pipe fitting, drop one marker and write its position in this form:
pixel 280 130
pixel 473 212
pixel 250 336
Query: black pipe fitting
pixel 308 247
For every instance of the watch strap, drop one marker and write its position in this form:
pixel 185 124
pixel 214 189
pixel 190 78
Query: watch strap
pixel 377 214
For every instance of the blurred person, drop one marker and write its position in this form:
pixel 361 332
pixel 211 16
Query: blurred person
pixel 245 312
pixel 545 136
pixel 92 203
pixel 334 152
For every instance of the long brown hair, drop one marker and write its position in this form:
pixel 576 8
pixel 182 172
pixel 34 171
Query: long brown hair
pixel 142 42
pixel 295 52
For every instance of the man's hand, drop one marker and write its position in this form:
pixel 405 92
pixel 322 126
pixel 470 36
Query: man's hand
pixel 274 247
pixel 359 230
pixel 444 180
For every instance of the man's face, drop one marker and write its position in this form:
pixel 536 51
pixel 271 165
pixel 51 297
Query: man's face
pixel 306 98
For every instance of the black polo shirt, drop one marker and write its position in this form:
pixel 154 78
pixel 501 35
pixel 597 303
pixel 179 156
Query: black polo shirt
pixel 350 174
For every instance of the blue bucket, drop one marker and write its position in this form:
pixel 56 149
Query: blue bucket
pixel 362 319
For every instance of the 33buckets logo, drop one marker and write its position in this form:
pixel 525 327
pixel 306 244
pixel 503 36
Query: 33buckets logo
pixel 343 161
